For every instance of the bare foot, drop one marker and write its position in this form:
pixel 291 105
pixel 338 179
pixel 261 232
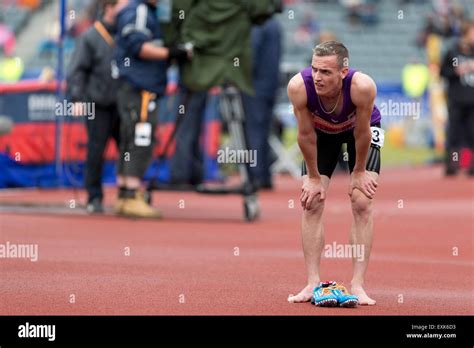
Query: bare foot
pixel 364 300
pixel 304 296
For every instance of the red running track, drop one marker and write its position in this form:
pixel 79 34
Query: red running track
pixel 186 263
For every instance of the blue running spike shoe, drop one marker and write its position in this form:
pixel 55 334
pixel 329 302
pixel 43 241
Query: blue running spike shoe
pixel 323 296
pixel 344 298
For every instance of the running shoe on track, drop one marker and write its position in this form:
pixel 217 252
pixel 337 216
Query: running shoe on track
pixel 344 298
pixel 323 296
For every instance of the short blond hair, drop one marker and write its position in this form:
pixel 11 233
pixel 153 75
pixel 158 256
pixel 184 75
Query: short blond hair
pixel 333 48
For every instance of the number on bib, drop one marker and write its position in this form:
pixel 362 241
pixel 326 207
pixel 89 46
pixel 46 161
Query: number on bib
pixel 378 136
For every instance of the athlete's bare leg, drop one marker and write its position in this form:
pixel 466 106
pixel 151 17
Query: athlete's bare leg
pixel 361 234
pixel 312 235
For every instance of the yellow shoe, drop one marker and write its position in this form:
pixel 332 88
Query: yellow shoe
pixel 137 207
pixel 119 205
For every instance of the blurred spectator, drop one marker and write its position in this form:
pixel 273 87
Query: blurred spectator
pixel 90 81
pixel 308 30
pixel 142 62
pixel 456 18
pixel 458 69
pixel 327 35
pixel 221 56
pixel 81 24
pixel 48 46
pixel 266 53
pixel 442 8
pixel 7 40
pixel 47 74
pixel 361 11
pixel 445 20
pixel 11 68
pixel 415 79
pixel 82 15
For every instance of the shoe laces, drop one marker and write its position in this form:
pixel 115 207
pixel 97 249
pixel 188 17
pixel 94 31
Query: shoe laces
pixel 325 288
pixel 325 291
pixel 340 287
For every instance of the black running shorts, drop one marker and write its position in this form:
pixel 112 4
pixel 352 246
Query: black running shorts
pixel 329 149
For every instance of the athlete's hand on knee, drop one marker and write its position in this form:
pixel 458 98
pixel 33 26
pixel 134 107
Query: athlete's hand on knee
pixel 364 182
pixel 312 189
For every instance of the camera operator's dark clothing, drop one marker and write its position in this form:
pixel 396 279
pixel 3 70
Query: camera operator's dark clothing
pixel 105 125
pixel 90 81
pixel 220 32
pixel 136 106
pixel 460 130
pixel 142 83
pixel 223 53
pixel 137 24
pixel 266 47
pixel 460 88
pixel 89 77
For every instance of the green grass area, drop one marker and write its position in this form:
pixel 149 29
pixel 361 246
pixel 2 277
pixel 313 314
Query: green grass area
pixel 394 156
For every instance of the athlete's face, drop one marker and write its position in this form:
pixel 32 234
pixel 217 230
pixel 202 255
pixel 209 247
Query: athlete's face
pixel 327 75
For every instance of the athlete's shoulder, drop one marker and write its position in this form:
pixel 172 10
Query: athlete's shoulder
pixel 363 88
pixel 297 91
pixel 296 83
pixel 363 82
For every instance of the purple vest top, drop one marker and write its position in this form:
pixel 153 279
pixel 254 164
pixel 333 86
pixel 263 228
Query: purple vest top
pixel 346 119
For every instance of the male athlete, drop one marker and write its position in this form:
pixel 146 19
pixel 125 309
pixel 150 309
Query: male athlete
pixel 335 105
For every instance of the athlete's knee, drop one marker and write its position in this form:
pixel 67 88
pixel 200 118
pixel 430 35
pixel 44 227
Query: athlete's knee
pixel 316 208
pixel 361 204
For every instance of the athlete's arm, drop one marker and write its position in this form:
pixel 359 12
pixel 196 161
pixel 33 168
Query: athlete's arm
pixel 306 133
pixel 363 92
pixel 312 185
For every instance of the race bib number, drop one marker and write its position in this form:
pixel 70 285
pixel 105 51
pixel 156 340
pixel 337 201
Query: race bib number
pixel 143 134
pixel 378 136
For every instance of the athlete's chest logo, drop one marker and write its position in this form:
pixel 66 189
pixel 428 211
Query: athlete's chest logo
pixel 334 119
pixel 328 118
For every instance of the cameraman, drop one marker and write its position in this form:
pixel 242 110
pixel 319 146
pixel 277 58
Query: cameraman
pixel 142 62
